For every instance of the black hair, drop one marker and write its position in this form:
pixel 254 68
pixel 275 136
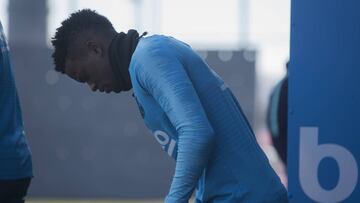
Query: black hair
pixel 71 28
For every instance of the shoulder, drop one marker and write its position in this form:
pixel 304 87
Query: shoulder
pixel 160 45
pixel 155 56
pixel 154 45
pixel 155 50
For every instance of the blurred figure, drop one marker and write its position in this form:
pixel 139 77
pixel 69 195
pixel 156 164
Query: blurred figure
pixel 15 155
pixel 277 116
pixel 190 110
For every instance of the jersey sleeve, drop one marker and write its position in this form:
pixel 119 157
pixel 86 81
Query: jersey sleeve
pixel 164 77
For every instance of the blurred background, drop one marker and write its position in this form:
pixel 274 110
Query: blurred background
pixel 90 145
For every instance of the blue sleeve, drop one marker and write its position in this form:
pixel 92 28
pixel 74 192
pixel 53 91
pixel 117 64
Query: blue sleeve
pixel 164 77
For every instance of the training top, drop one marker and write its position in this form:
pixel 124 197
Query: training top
pixel 15 156
pixel 196 119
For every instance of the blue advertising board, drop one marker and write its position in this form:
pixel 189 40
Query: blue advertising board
pixel 324 101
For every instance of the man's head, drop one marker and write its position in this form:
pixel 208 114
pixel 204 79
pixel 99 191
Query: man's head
pixel 81 50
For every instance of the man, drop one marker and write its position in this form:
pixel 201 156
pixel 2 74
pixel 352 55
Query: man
pixel 15 156
pixel 277 116
pixel 190 110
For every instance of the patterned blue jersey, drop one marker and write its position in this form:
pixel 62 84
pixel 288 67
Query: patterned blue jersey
pixel 15 156
pixel 197 121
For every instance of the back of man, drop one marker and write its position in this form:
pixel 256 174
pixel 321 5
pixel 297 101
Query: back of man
pixel 15 156
pixel 237 170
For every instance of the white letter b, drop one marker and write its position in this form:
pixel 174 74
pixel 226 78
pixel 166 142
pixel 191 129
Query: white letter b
pixel 311 154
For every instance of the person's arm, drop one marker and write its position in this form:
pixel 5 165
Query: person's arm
pixel 167 81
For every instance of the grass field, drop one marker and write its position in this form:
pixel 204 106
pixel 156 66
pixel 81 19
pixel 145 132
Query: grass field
pixel 90 201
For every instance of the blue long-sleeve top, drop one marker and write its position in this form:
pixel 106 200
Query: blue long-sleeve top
pixel 197 121
pixel 15 156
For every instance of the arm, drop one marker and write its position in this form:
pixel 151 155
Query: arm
pixel 167 81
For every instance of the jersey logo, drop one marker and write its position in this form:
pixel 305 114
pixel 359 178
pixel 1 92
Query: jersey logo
pixel 168 144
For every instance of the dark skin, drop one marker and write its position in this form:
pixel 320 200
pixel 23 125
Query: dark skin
pixel 88 62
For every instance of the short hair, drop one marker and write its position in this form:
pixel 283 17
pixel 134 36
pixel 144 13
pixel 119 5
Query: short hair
pixel 71 28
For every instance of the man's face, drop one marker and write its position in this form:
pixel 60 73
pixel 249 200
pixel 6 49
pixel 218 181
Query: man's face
pixel 92 67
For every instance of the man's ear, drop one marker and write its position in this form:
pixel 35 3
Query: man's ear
pixel 94 47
